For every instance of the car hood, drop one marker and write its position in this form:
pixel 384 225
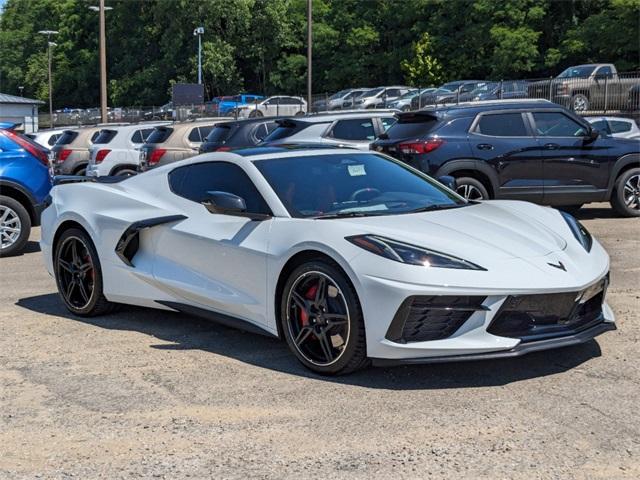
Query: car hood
pixel 482 233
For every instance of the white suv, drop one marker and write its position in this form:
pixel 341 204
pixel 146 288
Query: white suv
pixel 278 106
pixel 116 149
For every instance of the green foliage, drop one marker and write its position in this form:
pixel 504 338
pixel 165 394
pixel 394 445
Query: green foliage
pixel 260 45
pixel 423 69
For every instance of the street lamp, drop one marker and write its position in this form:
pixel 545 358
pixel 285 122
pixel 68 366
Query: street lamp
pixel 103 60
pixel 199 32
pixel 50 44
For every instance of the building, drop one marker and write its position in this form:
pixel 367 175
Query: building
pixel 20 110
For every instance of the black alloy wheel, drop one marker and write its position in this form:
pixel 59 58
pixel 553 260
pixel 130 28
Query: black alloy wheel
pixel 322 319
pixel 78 274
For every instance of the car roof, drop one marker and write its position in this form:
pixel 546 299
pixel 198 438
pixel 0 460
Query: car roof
pixel 280 150
pixel 466 108
pixel 330 117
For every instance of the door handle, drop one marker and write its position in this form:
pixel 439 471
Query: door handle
pixel 551 146
pixel 485 146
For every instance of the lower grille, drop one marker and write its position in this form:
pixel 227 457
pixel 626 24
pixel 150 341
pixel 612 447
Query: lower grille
pixel 421 319
pixel 538 317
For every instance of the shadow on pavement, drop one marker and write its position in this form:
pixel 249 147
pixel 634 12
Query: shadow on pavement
pixel 191 333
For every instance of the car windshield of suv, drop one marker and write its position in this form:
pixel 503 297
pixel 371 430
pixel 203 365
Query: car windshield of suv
pixel 451 86
pixel 408 95
pixel 338 95
pixel 159 135
pixel 67 137
pixel 577 72
pixel 351 185
pixel 105 136
pixel 371 93
pixel 484 88
pixel 219 133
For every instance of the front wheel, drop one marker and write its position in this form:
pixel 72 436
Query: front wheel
pixel 322 320
pixel 255 114
pixel 15 225
pixel 471 189
pixel 579 103
pixel 79 275
pixel 625 198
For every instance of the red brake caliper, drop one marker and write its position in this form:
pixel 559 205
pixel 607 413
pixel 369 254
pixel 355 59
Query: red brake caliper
pixel 304 316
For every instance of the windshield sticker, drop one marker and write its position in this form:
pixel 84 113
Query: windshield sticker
pixel 356 170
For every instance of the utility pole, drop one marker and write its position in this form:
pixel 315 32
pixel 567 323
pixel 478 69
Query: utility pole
pixel 103 59
pixel 199 32
pixel 50 44
pixel 309 51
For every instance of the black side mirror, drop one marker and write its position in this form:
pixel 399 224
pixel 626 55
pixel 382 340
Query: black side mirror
pixel 225 203
pixel 449 182
pixel 592 135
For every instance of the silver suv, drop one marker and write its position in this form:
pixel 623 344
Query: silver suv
pixel 377 97
pixel 348 129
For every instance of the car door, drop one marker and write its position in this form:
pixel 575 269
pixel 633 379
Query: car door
pixel 575 168
pixel 210 260
pixel 504 140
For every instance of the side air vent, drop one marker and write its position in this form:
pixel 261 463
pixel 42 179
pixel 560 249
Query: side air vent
pixel 129 242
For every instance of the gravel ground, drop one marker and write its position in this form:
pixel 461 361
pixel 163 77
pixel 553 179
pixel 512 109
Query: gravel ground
pixel 151 394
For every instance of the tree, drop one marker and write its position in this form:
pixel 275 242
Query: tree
pixel 423 69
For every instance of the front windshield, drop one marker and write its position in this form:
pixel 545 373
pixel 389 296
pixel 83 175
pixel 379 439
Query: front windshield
pixel 577 72
pixel 340 94
pixel 484 88
pixel 372 93
pixel 352 184
pixel 409 95
pixel 451 86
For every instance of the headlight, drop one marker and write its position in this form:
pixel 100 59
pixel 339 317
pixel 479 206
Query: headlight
pixel 582 234
pixel 411 254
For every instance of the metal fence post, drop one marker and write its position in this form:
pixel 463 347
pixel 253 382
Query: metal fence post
pixel 419 98
pixel 501 89
pixel 551 89
pixel 458 96
pixel 606 94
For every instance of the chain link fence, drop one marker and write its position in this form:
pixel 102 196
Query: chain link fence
pixel 596 95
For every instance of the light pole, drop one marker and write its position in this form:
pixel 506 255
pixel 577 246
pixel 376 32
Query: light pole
pixel 103 60
pixel 309 50
pixel 50 44
pixel 199 32
pixel 21 89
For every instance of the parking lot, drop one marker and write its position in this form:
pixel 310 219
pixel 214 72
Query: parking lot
pixel 144 393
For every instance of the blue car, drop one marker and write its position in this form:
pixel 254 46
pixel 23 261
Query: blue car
pixel 25 182
pixel 227 104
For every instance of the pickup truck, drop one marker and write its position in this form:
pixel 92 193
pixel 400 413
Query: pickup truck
pixel 587 87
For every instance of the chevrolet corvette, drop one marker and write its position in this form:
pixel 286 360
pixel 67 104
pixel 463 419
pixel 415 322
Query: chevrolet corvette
pixel 350 257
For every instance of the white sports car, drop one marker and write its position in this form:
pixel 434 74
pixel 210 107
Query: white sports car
pixel 349 256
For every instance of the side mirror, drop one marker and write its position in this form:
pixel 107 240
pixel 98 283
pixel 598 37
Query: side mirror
pixel 449 182
pixel 224 203
pixel 592 135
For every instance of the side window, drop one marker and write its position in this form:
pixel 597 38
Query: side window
pixel 392 92
pixel 205 131
pixel 194 181
pixel 556 124
pixel 618 126
pixel 387 122
pixel 353 129
pixel 53 139
pixel 144 133
pixel 137 137
pixel 95 135
pixel 502 125
pixel 260 132
pixel 604 72
pixel 601 125
pixel 194 135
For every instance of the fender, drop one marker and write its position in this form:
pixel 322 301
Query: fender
pixel 33 209
pixel 470 164
pixel 622 162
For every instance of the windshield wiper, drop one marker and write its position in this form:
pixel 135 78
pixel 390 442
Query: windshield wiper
pixel 431 208
pixel 346 215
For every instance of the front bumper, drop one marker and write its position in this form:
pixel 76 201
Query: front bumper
pixel 517 351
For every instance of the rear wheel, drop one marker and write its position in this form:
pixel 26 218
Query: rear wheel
pixel 79 275
pixel 625 198
pixel 15 226
pixel 579 103
pixel 255 114
pixel 126 172
pixel 471 189
pixel 322 320
pixel 81 171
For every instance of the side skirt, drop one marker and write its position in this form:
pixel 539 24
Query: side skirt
pixel 221 318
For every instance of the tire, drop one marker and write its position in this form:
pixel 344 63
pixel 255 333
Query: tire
pixel 471 189
pixel 625 198
pixel 255 114
pixel 87 300
pixel 299 113
pixel 13 216
pixel 80 171
pixel 126 172
pixel 338 300
pixel 579 103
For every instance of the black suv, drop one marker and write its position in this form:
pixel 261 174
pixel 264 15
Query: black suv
pixel 527 150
